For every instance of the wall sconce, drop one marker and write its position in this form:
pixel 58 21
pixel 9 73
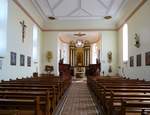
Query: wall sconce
pixel 137 40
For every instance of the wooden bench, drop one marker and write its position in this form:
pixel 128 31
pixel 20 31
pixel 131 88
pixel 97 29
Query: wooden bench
pixel 110 92
pixel 11 106
pixel 135 108
pixel 23 92
pixel 33 101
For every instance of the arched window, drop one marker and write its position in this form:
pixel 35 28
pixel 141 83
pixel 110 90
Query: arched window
pixel 35 43
pixel 125 43
pixel 3 26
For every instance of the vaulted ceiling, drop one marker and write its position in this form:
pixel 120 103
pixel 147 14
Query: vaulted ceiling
pixel 80 14
pixel 78 9
pixel 74 16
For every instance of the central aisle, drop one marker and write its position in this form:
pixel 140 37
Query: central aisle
pixel 79 100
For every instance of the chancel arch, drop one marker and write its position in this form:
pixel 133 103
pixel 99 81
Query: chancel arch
pixel 83 48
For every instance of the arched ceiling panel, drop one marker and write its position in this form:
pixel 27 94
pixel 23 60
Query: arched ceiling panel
pixel 79 9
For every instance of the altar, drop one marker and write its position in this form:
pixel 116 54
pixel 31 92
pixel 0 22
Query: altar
pixel 79 57
pixel 79 71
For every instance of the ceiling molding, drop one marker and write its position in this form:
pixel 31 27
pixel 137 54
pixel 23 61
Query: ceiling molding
pixel 25 11
pixel 102 3
pixel 57 4
pixel 109 7
pixel 73 11
pixel 86 12
pixel 42 14
pixel 132 13
pixel 72 30
pixel 64 30
pixel 51 9
pixel 97 8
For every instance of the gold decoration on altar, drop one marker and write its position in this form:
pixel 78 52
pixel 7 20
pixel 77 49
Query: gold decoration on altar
pixel 79 56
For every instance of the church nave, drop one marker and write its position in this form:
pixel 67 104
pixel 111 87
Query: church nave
pixel 74 57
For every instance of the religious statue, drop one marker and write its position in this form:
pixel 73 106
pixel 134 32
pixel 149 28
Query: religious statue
pixel 49 56
pixel 23 29
pixel 109 56
pixel 137 40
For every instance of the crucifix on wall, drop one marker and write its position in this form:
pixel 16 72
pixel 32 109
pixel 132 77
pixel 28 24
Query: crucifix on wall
pixel 23 29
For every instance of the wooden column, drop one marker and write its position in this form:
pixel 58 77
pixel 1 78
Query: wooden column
pixel 72 55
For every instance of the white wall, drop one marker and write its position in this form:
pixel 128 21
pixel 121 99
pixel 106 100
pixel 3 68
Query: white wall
pixel 139 24
pixel 50 43
pixel 109 43
pixel 15 44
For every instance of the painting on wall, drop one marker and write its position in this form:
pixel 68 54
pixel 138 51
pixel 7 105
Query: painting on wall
pixel 22 60
pixel 138 60
pixel 28 61
pixel 147 58
pixel 13 58
pixel 0 64
pixel 131 61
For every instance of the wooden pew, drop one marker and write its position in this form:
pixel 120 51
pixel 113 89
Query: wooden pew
pixel 135 107
pixel 12 105
pixel 33 86
pixel 110 92
pixel 58 92
pixel 27 89
pixel 32 104
pixel 113 103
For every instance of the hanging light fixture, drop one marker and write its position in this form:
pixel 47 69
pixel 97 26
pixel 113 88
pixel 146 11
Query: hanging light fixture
pixel 79 34
pixel 79 43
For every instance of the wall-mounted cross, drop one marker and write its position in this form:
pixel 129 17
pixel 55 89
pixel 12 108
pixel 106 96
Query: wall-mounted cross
pixel 23 29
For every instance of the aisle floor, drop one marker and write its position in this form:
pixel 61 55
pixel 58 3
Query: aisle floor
pixel 79 100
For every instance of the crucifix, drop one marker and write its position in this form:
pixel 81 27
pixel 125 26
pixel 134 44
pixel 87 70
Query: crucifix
pixel 23 29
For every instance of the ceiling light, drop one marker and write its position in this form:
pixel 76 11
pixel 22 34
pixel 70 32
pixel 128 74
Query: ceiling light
pixel 52 18
pixel 107 17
